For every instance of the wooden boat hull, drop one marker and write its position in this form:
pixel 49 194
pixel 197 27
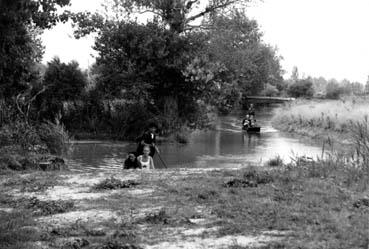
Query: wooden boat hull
pixel 255 129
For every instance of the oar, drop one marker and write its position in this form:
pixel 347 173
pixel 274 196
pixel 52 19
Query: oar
pixel 161 159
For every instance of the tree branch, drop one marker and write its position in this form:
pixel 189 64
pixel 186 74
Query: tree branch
pixel 149 11
pixel 210 9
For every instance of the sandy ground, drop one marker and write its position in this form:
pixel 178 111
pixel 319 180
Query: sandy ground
pixel 108 209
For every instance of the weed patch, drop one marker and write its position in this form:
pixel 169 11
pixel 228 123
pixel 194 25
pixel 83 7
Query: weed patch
pixel 118 245
pixel 251 178
pixel 32 184
pixel 275 162
pixel 49 207
pixel 164 218
pixel 75 230
pixel 113 183
pixel 76 244
pixel 17 229
pixel 363 202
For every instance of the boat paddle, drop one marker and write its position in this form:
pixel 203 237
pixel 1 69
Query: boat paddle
pixel 161 159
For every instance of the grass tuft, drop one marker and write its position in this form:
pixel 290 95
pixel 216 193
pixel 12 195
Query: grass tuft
pixel 251 178
pixel 275 162
pixel 49 207
pixel 113 183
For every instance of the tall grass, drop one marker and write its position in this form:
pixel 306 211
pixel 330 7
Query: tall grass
pixel 332 115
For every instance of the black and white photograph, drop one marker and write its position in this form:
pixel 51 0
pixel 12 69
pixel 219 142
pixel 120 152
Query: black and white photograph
pixel 184 124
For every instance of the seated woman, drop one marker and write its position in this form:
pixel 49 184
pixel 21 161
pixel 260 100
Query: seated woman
pixel 145 161
pixel 131 162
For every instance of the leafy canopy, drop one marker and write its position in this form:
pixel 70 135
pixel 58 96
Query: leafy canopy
pixel 21 21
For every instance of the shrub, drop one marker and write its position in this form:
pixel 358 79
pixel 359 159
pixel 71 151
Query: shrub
pixel 301 88
pixel 333 90
pixel 270 91
pixel 275 162
pixel 55 137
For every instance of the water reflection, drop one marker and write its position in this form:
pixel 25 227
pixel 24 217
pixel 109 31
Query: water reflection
pixel 226 146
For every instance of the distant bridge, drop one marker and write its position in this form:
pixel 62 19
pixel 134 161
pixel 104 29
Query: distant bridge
pixel 267 100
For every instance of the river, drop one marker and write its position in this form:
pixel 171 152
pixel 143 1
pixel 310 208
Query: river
pixel 225 147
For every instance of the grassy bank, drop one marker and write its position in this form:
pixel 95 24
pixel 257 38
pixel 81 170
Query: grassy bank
pixel 337 120
pixel 306 204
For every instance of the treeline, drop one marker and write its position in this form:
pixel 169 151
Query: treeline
pixel 320 87
pixel 182 62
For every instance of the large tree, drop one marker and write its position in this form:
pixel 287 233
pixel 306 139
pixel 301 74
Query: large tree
pixel 178 15
pixel 154 57
pixel 235 41
pixel 20 23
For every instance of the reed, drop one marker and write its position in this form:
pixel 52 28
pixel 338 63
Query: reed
pixel 332 114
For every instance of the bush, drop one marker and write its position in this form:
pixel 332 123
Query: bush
pixel 333 90
pixel 21 137
pixel 301 88
pixel 275 162
pixel 270 91
pixel 55 137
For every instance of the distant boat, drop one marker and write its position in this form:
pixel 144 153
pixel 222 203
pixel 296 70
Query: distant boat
pixel 254 129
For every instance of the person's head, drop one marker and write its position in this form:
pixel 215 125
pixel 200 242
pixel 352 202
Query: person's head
pixel 251 105
pixel 146 150
pixel 152 128
pixel 247 116
pixel 131 156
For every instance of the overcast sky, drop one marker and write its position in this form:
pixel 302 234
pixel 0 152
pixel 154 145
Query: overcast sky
pixel 327 38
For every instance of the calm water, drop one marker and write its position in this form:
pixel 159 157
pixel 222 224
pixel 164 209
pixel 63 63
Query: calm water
pixel 227 146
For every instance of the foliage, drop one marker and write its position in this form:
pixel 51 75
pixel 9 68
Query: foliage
pixel 114 118
pixel 20 24
pixel 342 122
pixel 54 137
pixel 275 162
pixel 113 183
pixel 135 59
pixel 235 41
pixel 251 178
pixel 49 207
pixel 177 16
pixel 62 82
pixel 360 138
pixel 301 88
pixel 168 62
pixel 333 90
pixel 43 138
pixel 16 230
pixel 270 91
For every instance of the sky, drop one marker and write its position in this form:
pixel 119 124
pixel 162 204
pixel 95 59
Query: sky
pixel 328 38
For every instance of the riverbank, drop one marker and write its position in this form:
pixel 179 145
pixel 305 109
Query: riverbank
pixel 332 121
pixel 303 205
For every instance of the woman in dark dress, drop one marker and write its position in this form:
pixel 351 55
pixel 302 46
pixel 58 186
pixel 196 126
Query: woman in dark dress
pixel 148 138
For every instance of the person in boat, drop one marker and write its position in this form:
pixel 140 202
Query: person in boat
pixel 149 139
pixel 252 121
pixel 246 121
pixel 145 160
pixel 251 110
pixel 131 161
